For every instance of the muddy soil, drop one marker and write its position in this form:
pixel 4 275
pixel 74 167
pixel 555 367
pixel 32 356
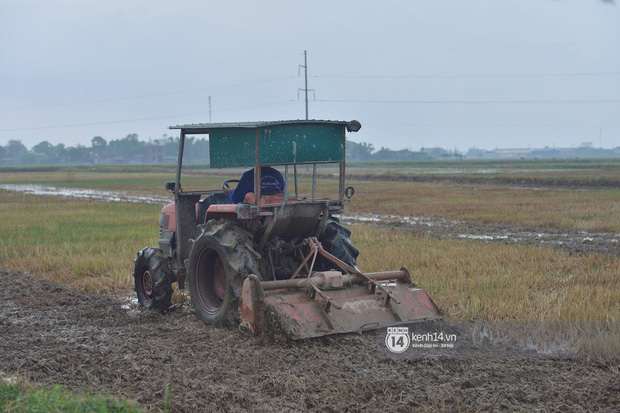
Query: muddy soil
pixel 53 334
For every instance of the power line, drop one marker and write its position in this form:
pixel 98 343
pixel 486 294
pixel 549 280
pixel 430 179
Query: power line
pixel 454 125
pixel 475 102
pixel 176 92
pixel 490 76
pixel 469 48
pixel 75 125
pixel 262 105
pixel 151 68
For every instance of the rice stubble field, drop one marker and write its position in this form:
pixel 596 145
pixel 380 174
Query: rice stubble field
pixel 66 270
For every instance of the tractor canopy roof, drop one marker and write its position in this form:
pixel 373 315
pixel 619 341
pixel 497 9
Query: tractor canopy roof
pixel 245 144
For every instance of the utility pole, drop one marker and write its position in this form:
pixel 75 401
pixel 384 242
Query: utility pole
pixel 305 89
pixel 306 82
pixel 209 109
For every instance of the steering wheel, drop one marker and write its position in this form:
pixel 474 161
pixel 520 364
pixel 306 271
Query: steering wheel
pixel 225 185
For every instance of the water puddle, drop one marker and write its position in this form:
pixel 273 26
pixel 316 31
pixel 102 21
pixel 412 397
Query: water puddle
pixel 395 220
pixel 7 378
pixel 80 193
pixel 130 303
pixel 482 237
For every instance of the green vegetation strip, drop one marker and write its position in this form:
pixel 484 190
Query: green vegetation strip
pixel 18 398
pixel 83 243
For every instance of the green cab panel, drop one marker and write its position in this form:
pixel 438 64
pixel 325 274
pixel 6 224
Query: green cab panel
pixel 277 144
pixel 232 147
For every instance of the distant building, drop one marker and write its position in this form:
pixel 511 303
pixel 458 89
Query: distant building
pixel 155 153
pixel 547 153
pixel 512 153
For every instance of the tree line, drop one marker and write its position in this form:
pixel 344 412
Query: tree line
pixel 127 150
pixel 131 150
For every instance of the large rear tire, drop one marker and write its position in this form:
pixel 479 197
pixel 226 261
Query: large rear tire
pixel 153 288
pixel 220 259
pixel 336 239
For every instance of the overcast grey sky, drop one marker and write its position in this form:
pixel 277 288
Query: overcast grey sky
pixel 456 74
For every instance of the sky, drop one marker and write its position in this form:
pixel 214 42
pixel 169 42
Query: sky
pixel 454 74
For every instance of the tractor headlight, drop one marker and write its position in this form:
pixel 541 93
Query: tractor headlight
pixel 354 126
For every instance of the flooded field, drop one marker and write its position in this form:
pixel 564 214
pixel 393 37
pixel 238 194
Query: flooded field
pixel 573 241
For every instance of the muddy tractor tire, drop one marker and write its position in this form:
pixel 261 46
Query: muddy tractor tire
pixel 153 288
pixel 220 259
pixel 336 239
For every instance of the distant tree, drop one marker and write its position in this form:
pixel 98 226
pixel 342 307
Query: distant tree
pixel 43 148
pixel 2 152
pixel 16 149
pixel 437 153
pixel 383 154
pixel 59 150
pixel 188 153
pixel 79 154
pixel 98 143
pixel 359 151
pixel 127 147
pixel 475 153
pixel 171 144
pixel 200 150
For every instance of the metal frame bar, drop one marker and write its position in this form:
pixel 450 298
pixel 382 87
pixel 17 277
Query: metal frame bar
pixel 177 190
pixel 342 167
pixel 347 278
pixel 314 182
pixel 256 169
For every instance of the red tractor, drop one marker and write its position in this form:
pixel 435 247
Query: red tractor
pixel 279 253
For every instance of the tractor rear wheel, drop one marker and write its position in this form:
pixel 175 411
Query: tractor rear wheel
pixel 336 239
pixel 153 288
pixel 219 260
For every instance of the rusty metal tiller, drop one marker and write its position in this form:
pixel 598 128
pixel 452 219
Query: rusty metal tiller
pixel 330 302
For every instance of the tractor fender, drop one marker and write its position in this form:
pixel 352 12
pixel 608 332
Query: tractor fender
pixel 167 219
pixel 232 212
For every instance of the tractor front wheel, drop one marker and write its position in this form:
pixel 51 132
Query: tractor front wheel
pixel 153 288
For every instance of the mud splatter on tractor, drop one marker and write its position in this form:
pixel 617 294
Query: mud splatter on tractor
pixel 278 252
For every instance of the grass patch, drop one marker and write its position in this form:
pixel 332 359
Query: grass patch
pixel 497 282
pixel 22 397
pixel 75 241
pixel 587 210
